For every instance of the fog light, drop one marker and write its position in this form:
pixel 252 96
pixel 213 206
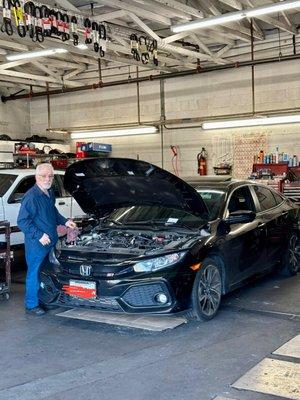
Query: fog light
pixel 161 298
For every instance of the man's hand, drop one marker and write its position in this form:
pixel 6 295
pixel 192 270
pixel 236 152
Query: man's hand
pixel 44 240
pixel 70 224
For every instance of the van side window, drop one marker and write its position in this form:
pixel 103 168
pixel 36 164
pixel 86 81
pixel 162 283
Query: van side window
pixel 21 189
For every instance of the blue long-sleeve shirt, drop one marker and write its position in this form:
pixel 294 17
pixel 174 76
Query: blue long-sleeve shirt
pixel 38 215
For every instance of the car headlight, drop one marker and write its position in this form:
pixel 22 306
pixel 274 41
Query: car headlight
pixel 153 264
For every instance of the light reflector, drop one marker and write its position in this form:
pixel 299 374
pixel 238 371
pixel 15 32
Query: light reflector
pixel 35 54
pixel 138 130
pixel 240 123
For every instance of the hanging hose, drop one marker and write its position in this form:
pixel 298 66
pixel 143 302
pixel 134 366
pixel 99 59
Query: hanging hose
pixel 175 151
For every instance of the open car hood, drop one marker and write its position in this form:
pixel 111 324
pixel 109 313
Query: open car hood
pixel 103 185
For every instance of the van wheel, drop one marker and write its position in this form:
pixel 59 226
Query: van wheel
pixel 207 291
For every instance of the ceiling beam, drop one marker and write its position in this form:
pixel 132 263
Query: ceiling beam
pixel 66 4
pixel 177 5
pixel 136 10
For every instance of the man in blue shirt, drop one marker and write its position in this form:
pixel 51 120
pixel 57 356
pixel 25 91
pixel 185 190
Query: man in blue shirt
pixel 38 220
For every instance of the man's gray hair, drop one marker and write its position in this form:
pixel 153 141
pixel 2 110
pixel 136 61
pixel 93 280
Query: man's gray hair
pixel 40 167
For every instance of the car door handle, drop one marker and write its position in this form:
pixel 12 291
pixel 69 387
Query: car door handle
pixel 61 203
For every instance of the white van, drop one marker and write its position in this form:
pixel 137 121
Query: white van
pixel 14 183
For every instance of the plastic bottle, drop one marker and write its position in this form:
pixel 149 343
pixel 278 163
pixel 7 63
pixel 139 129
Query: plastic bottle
pixel 276 156
pixel 261 156
pixel 295 161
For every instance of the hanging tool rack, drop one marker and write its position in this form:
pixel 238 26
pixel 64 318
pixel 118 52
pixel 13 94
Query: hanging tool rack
pixel 5 258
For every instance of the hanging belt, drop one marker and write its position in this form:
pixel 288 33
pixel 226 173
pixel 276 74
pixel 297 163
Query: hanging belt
pixel 19 18
pixel 74 25
pixel 134 47
pixel 87 32
pixel 53 18
pixel 38 26
pixel 29 10
pixel 143 49
pixel 7 25
pixel 102 40
pixel 95 36
pixel 66 23
pixel 46 20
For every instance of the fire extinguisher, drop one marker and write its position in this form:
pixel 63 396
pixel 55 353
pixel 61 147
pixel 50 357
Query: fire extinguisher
pixel 201 159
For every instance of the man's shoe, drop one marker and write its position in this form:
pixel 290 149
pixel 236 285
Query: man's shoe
pixel 38 311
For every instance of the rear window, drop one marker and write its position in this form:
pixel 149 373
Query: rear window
pixel 265 197
pixel 6 180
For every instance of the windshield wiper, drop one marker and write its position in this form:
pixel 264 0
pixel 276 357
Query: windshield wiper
pixel 159 222
pixel 114 221
pixel 147 222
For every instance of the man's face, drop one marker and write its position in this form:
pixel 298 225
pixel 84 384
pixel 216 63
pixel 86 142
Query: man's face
pixel 44 178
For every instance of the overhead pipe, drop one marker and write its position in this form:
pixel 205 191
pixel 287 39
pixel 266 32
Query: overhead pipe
pixel 178 74
pixel 163 122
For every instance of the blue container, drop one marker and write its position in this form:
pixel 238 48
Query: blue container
pixel 99 147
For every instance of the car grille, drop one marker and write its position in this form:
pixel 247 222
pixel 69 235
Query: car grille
pixel 103 303
pixel 144 295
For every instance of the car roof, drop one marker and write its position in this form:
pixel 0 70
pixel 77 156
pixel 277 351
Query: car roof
pixel 23 172
pixel 223 184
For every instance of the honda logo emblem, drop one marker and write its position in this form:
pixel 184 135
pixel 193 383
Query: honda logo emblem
pixel 85 270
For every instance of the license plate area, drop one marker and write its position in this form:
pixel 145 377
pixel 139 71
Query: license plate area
pixel 81 289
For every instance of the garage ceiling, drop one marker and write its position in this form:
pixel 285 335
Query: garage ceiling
pixel 274 35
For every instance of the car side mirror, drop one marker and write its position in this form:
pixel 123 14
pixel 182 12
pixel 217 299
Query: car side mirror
pixel 240 217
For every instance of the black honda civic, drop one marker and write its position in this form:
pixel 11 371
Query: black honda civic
pixel 155 244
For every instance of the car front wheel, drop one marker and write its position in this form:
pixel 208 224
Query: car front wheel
pixel 207 291
pixel 291 259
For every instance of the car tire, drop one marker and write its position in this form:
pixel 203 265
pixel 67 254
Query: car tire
pixel 207 291
pixel 291 259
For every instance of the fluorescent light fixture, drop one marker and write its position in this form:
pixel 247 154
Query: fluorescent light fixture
pixel 35 54
pixel 82 46
pixel 236 16
pixel 138 130
pixel 240 123
pixel 207 22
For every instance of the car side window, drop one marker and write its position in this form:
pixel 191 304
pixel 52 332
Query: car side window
pixel 241 199
pixel 265 197
pixel 279 199
pixel 21 189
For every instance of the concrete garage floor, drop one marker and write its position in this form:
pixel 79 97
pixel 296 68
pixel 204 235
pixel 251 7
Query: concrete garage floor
pixel 56 358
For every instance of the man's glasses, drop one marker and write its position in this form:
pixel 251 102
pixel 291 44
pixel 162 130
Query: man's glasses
pixel 46 176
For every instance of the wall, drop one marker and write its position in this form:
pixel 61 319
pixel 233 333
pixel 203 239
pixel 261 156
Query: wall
pixel 277 86
pixel 15 119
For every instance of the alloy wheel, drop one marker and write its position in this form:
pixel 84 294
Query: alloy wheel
pixel 294 253
pixel 209 290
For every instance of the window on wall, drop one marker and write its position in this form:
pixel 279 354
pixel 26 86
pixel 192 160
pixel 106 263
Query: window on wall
pixel 265 197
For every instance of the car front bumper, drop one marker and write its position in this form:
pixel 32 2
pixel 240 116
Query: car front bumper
pixel 129 296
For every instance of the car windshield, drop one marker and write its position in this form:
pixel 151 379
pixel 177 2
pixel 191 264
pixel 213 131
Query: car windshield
pixel 154 216
pixel 213 199
pixel 6 180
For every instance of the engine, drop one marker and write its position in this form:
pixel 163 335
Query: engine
pixel 134 240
